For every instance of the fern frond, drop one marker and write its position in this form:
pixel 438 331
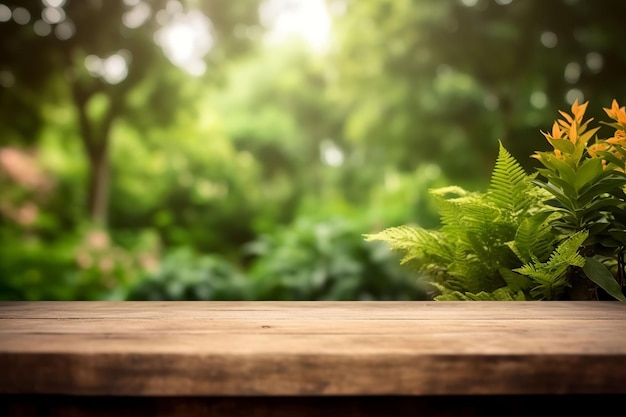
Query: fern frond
pixel 449 199
pixel 478 217
pixel 510 185
pixel 467 217
pixel 534 238
pixel 516 282
pixel 416 244
pixel 471 273
pixel 399 238
pixel 550 276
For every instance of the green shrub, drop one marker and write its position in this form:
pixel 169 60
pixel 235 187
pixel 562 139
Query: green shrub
pixel 186 276
pixel 556 234
pixel 327 260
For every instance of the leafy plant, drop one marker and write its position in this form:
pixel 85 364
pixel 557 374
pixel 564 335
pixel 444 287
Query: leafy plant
pixel 185 276
pixel 551 235
pixel 322 260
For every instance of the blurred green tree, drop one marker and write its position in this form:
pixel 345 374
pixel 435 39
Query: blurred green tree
pixel 95 53
pixel 275 105
pixel 432 80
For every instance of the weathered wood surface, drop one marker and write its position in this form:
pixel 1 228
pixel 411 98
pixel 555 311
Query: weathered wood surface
pixel 312 348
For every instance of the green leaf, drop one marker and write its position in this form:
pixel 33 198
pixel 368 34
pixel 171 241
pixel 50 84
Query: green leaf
pixel 510 186
pixel 610 184
pixel 557 193
pixel 588 171
pixel 598 273
pixel 566 187
pixel 584 138
pixel 603 204
pixel 516 282
pixel 565 170
pixel 550 276
pixel 608 156
pixel 619 235
pixel 562 145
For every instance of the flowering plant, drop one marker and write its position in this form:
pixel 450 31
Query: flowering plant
pixel 559 233
pixel 587 183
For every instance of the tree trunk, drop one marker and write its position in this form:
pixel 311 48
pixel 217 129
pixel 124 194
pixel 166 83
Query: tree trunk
pixel 95 137
pixel 98 187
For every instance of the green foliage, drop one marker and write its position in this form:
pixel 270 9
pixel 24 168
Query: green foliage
pixel 184 275
pixel 559 227
pixel 85 266
pixel 421 84
pixel 201 188
pixel 406 93
pixel 327 261
pixel 485 238
pixel 597 272
pixel 587 183
pixel 550 278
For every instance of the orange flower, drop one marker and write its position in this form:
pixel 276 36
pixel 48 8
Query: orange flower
pixel 579 110
pixel 619 139
pixel 617 113
pixel 570 126
pixel 557 133
pixel 598 147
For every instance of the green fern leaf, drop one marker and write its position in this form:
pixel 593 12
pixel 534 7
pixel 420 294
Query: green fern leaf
pixel 534 238
pixel 416 244
pixel 550 277
pixel 516 282
pixel 399 238
pixel 471 273
pixel 510 187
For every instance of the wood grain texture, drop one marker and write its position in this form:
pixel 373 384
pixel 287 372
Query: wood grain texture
pixel 312 348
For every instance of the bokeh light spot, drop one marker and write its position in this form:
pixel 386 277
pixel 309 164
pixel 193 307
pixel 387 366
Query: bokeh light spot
pixel 572 72
pixel 594 62
pixel 330 153
pixel 53 15
pixel 469 3
pixel 42 28
pixel 549 39
pixel 574 94
pixel 491 102
pixel 538 99
pixel 5 13
pixel 93 65
pixel 21 16
pixel 114 69
pixel 7 79
pixel 186 39
pixel 137 16
pixel 65 30
pixel 53 3
pixel 306 19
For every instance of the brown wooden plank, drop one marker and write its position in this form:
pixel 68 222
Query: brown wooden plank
pixel 364 310
pixel 313 348
pixel 441 337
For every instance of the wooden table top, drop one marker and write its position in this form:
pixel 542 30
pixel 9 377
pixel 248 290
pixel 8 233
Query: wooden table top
pixel 312 348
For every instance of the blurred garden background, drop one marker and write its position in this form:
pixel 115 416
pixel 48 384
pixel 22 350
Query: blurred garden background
pixel 239 150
